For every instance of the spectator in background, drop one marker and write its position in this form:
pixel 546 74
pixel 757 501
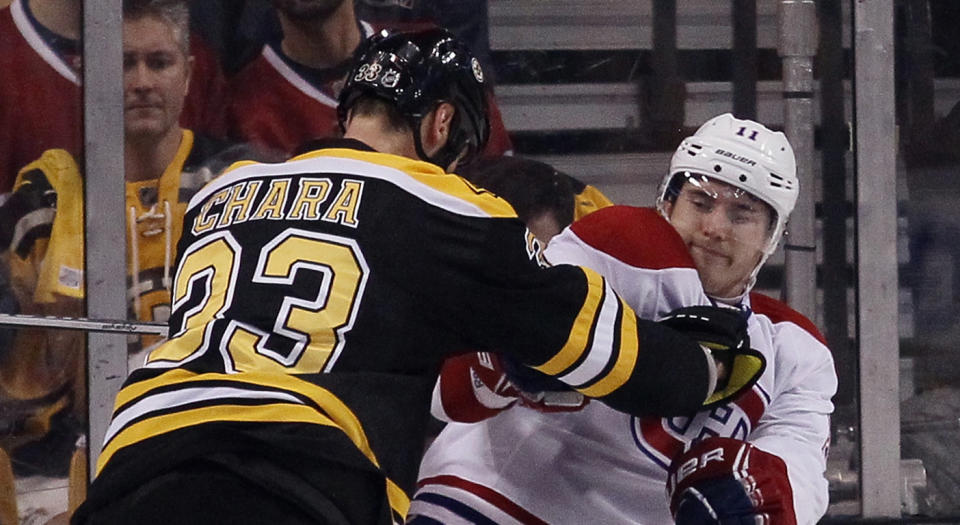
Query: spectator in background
pixel 235 29
pixel 465 18
pixel 40 98
pixel 287 95
pixel 42 223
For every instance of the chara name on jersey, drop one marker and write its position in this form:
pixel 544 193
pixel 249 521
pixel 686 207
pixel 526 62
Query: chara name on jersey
pixel 243 201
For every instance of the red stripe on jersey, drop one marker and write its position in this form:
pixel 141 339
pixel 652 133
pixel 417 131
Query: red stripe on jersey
pixel 779 312
pixel 639 237
pixel 657 439
pixel 487 494
pixel 753 405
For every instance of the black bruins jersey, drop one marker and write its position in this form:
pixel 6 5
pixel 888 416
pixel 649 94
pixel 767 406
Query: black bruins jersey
pixel 324 293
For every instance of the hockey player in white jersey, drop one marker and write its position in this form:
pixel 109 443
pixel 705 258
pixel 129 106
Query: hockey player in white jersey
pixel 510 456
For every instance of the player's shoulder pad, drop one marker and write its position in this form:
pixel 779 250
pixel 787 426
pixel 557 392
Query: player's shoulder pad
pixel 640 237
pixel 779 312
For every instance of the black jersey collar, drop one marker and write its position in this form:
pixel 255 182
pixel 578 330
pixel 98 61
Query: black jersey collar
pixel 327 143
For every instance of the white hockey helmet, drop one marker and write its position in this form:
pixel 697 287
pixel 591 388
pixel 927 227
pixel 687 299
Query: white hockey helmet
pixel 744 154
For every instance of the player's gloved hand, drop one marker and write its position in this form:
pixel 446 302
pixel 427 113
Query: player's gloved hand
pixel 474 387
pixel 540 391
pixel 727 481
pixel 723 332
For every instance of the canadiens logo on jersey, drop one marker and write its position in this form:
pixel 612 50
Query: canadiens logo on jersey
pixel 662 439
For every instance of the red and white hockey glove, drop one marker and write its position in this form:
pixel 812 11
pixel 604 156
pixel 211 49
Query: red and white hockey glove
pixel 727 481
pixel 476 386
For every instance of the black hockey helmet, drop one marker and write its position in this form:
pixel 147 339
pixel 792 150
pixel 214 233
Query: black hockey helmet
pixel 415 71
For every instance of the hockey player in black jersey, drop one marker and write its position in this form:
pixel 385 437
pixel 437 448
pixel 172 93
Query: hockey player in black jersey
pixel 314 301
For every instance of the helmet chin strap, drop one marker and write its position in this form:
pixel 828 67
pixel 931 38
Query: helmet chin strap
pixel 444 157
pixel 752 279
pixel 737 299
pixel 447 153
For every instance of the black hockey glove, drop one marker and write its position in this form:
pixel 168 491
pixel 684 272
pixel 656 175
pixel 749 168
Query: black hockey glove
pixel 723 331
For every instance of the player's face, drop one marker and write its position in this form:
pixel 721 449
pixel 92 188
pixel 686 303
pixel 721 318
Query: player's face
pixel 726 230
pixel 307 9
pixel 156 75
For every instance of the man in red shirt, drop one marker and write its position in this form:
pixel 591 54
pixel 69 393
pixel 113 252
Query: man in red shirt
pixel 40 98
pixel 287 95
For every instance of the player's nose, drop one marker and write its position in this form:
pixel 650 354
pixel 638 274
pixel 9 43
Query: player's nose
pixel 715 223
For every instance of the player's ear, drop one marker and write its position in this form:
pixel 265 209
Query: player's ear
pixel 667 208
pixel 443 121
pixel 436 127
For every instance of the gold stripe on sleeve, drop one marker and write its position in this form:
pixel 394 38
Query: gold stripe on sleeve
pixel 580 333
pixel 626 359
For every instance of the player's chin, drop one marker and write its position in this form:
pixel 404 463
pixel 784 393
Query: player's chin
pixel 715 286
pixel 708 261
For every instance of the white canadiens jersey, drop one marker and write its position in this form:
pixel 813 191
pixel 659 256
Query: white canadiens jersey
pixel 603 466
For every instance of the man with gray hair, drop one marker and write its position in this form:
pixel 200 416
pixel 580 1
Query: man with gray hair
pixel 40 58
pixel 41 224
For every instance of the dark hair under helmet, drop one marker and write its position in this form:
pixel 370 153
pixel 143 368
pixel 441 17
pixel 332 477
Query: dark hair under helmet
pixel 415 71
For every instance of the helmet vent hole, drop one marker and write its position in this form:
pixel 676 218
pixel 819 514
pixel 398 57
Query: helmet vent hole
pixel 743 178
pixel 717 168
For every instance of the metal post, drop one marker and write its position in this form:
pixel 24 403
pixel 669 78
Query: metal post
pixel 876 241
pixel 917 114
pixel 665 105
pixel 834 145
pixel 797 47
pixel 745 75
pixel 105 241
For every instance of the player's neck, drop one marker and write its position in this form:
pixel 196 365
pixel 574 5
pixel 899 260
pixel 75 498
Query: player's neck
pixel 371 131
pixel 148 159
pixel 60 16
pixel 322 43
